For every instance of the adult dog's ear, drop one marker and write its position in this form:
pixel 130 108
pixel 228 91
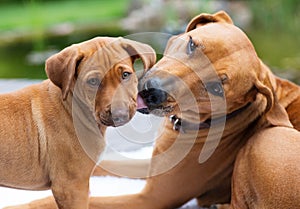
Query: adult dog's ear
pixel 61 68
pixel 204 18
pixel 275 113
pixel 138 50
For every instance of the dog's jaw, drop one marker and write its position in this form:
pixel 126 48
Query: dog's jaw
pixel 159 111
pixel 181 125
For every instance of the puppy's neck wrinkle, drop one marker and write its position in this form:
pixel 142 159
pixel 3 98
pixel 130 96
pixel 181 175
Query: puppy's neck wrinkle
pixel 84 115
pixel 89 133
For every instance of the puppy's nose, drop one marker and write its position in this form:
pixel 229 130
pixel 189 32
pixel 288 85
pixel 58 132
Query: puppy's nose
pixel 152 93
pixel 120 117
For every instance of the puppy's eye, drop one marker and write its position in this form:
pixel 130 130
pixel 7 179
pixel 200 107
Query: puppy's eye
pixel 215 88
pixel 95 82
pixel 125 75
pixel 191 46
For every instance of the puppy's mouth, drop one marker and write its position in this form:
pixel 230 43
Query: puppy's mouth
pixel 106 119
pixel 159 110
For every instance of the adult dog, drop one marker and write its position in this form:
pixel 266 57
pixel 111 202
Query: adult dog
pixel 214 66
pixel 217 63
pixel 52 133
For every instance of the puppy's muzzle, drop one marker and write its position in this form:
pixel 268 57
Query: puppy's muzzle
pixel 115 117
pixel 120 117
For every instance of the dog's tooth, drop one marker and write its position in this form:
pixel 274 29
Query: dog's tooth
pixel 171 118
pixel 174 127
pixel 176 124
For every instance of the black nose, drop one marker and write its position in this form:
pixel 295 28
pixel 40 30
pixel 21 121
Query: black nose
pixel 152 93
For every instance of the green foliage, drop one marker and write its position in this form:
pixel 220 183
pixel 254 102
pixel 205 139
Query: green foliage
pixel 26 26
pixel 36 14
pixel 276 15
pixel 275 33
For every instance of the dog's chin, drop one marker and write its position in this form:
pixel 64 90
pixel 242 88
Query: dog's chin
pixel 160 111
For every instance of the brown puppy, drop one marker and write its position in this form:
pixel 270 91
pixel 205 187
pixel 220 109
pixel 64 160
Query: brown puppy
pixel 236 76
pixel 52 133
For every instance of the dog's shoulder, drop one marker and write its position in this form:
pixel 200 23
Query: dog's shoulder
pixel 27 98
pixel 271 144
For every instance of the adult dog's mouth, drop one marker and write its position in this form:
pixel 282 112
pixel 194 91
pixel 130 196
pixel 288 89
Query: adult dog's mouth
pixel 159 110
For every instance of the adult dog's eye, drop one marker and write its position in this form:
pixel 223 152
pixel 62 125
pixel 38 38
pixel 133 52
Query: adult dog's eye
pixel 215 88
pixel 94 82
pixel 191 46
pixel 125 75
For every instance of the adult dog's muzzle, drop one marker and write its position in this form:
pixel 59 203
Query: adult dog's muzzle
pixel 153 96
pixel 152 93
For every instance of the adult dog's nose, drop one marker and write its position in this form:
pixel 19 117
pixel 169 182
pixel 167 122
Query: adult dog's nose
pixel 152 92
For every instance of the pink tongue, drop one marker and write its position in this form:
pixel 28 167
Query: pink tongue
pixel 140 103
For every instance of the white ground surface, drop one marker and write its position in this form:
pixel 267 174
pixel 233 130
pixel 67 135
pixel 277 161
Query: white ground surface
pixel 99 186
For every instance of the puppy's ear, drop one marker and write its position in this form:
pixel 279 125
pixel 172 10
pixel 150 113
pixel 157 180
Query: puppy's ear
pixel 205 18
pixel 275 113
pixel 61 68
pixel 139 50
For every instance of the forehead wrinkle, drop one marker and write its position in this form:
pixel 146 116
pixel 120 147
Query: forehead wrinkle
pixel 177 49
pixel 221 41
pixel 112 77
pixel 175 44
pixel 236 60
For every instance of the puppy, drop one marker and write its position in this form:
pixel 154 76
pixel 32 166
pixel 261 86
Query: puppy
pixel 52 133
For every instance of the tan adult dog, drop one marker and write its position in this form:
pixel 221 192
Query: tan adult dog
pixel 51 133
pixel 215 65
pixel 267 171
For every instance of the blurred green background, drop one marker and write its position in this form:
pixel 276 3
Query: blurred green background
pixel 32 30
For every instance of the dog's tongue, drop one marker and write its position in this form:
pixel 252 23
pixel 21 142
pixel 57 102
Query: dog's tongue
pixel 140 103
